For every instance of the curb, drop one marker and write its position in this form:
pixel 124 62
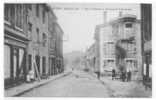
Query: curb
pixel 38 85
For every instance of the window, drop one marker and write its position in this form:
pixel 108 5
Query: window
pixel 128 25
pixel 44 39
pixel 7 11
pixel 37 31
pixel 43 14
pixel 29 6
pixel 19 15
pixel 37 10
pixel 10 13
pixel 29 27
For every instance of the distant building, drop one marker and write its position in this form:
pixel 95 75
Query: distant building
pixel 90 58
pixel 106 47
pixel 124 31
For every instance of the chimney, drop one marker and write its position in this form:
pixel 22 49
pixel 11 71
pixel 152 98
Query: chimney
pixel 105 17
pixel 120 13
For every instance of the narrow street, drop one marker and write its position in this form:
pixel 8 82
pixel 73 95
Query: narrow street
pixel 77 84
pixel 77 50
pixel 84 84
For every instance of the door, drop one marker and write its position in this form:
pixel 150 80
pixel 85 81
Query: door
pixel 53 66
pixel 44 65
pixel 38 62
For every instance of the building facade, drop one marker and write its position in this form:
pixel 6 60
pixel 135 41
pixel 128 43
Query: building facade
pixel 106 47
pixel 124 31
pixel 59 48
pixel 38 34
pixel 32 37
pixel 15 43
pixel 146 27
pixel 52 43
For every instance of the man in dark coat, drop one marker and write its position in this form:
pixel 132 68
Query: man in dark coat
pixel 113 74
pixel 123 76
pixel 128 76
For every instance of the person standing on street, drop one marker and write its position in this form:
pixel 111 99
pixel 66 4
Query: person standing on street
pixel 113 74
pixel 98 75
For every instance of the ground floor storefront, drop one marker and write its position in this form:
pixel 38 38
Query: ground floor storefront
pixel 52 66
pixel 147 69
pixel 40 62
pixel 15 66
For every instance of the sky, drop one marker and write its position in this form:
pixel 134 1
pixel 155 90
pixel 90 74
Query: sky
pixel 78 21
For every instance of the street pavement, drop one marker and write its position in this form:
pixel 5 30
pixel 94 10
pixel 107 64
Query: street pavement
pixel 83 84
pixel 133 89
pixel 77 84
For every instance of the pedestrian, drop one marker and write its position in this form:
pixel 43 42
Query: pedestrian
pixel 123 75
pixel 130 75
pixel 127 76
pixel 98 74
pixel 113 74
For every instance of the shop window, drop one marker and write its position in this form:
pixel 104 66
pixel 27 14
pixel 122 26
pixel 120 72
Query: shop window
pixel 21 62
pixel 128 25
pixel 15 62
pixel 37 58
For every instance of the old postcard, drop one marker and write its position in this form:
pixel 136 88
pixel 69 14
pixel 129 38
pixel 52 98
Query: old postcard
pixel 78 50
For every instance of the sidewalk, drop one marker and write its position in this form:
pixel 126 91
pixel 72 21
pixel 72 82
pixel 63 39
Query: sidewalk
pixel 25 87
pixel 118 88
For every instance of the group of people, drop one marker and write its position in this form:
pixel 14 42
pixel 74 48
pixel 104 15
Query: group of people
pixel 124 75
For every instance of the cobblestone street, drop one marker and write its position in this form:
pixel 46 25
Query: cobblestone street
pixel 126 89
pixel 82 84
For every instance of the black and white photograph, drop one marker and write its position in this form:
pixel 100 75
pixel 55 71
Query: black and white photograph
pixel 100 50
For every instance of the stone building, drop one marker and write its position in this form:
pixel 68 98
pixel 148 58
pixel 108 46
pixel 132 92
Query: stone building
pixel 32 35
pixel 146 30
pixel 59 48
pixel 55 45
pixel 38 34
pixel 106 47
pixel 15 43
pixel 125 32
pixel 52 43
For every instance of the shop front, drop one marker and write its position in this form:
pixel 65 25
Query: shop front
pixel 14 60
